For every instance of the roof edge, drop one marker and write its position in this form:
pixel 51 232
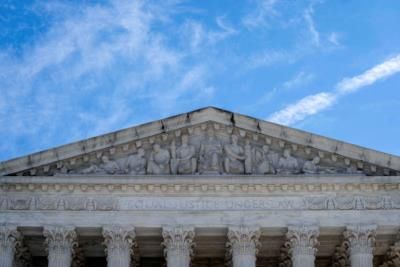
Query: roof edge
pixel 206 114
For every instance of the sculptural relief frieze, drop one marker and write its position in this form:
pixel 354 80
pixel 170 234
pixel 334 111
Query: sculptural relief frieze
pixel 207 150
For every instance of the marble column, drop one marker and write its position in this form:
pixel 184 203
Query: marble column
pixel 8 239
pixel 178 242
pixel 119 241
pixel 243 245
pixel 60 241
pixel 302 241
pixel 361 240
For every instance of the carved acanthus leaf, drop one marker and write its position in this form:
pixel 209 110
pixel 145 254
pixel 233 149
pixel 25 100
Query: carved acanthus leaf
pixel 8 236
pixel 361 238
pixel 60 237
pixel 178 238
pixel 243 240
pixel 303 239
pixel 119 237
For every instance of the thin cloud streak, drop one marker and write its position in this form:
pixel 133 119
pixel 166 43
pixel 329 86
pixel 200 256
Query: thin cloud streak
pixel 313 104
pixel 381 71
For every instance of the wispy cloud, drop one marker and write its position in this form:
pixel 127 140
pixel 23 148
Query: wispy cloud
pixel 313 104
pixel 308 13
pixel 307 106
pixel 89 72
pixel 199 36
pixel 259 16
pixel 381 71
pixel 300 79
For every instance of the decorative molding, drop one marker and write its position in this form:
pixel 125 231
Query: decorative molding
pixel 187 203
pixel 222 186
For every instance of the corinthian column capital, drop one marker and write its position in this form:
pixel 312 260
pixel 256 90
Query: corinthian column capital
pixel 119 241
pixel 8 239
pixel 361 239
pixel 302 242
pixel 178 242
pixel 243 245
pixel 60 241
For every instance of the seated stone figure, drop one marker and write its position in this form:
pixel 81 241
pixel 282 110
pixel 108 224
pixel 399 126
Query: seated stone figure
pixel 288 164
pixel 313 167
pixel 159 161
pixel 234 157
pixel 136 163
pixel 107 166
pixel 185 161
pixel 210 155
pixel 262 163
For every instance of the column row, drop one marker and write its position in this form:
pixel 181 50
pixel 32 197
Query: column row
pixel 243 244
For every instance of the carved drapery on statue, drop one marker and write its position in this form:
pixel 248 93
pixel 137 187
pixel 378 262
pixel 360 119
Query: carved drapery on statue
pixel 211 152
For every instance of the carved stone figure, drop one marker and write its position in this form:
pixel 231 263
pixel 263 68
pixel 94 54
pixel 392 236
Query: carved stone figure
pixel 248 161
pixel 107 166
pixel 184 158
pixel 262 162
pixel 159 161
pixel 136 163
pixel 288 164
pixel 234 157
pixel 313 167
pixel 210 154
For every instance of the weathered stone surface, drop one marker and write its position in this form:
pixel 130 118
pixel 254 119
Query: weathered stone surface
pixel 206 141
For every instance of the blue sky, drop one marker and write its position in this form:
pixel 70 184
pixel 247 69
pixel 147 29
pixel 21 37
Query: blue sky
pixel 70 70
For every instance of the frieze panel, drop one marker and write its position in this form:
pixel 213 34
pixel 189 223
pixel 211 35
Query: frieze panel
pixel 207 149
pixel 57 203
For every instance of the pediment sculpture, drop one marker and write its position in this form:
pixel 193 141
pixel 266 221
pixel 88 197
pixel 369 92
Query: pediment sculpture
pixel 208 152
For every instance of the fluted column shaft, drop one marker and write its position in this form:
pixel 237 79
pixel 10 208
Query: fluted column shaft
pixel 243 244
pixel 60 241
pixel 8 239
pixel 119 241
pixel 178 242
pixel 361 240
pixel 302 242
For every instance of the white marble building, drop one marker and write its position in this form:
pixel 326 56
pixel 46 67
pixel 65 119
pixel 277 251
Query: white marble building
pixel 205 188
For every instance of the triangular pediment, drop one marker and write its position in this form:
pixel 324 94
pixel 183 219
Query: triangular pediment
pixel 206 141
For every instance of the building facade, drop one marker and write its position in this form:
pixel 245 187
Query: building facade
pixel 205 188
